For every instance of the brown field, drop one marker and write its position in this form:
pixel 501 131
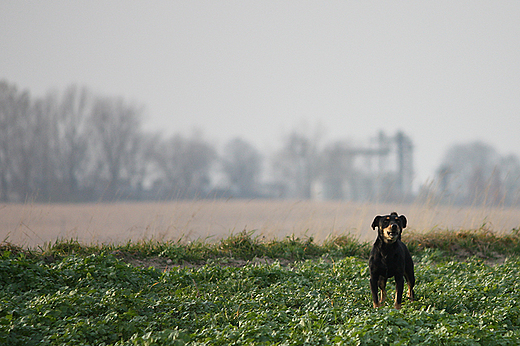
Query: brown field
pixel 35 224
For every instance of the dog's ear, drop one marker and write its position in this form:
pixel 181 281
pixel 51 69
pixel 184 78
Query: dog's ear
pixel 403 221
pixel 375 223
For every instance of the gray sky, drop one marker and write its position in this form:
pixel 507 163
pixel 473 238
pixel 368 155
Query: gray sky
pixel 444 72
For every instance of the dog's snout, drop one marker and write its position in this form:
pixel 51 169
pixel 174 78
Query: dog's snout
pixel 395 228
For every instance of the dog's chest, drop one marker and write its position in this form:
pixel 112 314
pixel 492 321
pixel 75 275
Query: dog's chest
pixel 387 263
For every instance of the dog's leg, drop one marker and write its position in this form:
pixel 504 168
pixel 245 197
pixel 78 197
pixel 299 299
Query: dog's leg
pixel 410 280
pixel 373 289
pixel 411 293
pixel 409 275
pixel 399 287
pixel 382 286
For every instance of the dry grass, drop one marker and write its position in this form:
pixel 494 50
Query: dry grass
pixel 31 225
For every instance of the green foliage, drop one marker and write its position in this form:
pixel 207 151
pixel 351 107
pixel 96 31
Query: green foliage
pixel 463 243
pixel 98 299
pixel 246 246
pixel 70 294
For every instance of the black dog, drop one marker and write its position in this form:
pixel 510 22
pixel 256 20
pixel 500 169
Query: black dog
pixel 390 258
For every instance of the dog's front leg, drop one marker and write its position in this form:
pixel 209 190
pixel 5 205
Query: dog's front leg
pixel 382 287
pixel 374 280
pixel 399 287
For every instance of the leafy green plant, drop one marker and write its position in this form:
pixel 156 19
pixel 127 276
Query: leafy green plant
pixel 93 297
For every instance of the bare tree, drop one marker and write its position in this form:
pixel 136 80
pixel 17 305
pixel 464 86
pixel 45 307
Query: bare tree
pixel 8 110
pixel 42 144
pixel 185 165
pixel 24 147
pixel 470 174
pixel 337 164
pixel 242 163
pixel 74 129
pixel 27 144
pixel 510 173
pixel 116 127
pixel 297 165
pixel 141 161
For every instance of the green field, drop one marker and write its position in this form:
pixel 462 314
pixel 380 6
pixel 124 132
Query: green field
pixel 247 291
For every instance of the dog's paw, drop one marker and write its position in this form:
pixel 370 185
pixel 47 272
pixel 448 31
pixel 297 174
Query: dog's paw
pixel 383 297
pixel 411 294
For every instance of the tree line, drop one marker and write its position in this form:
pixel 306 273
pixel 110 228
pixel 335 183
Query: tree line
pixel 77 146
pixel 476 174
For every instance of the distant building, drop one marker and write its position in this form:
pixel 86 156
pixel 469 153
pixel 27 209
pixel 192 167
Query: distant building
pixel 381 171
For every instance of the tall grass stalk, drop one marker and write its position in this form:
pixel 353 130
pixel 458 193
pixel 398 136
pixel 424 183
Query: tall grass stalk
pixel 247 246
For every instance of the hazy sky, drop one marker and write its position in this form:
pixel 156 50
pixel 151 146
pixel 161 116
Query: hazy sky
pixel 444 72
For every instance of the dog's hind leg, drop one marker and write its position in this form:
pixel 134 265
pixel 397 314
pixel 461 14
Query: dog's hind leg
pixel 409 275
pixel 410 280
